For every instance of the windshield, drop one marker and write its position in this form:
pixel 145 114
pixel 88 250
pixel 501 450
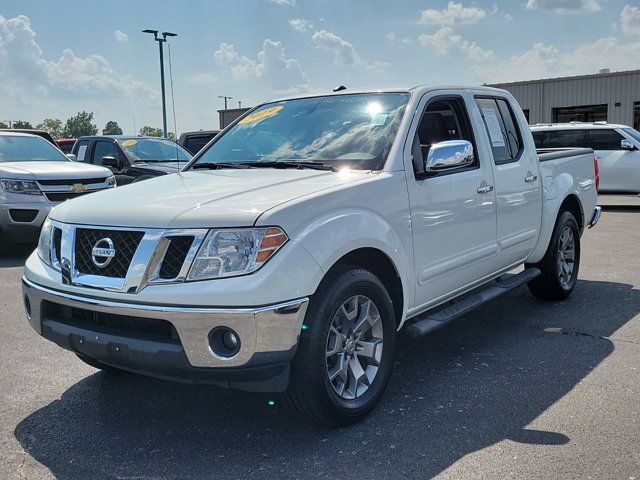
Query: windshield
pixel 354 130
pixel 153 150
pixel 635 134
pixel 14 148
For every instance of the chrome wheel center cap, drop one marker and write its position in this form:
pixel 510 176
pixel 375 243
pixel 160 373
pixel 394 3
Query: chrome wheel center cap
pixel 350 347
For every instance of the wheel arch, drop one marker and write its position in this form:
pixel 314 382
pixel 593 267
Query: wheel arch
pixel 378 263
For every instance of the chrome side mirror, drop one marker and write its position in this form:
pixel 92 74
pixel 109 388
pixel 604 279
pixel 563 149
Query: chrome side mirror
pixel 449 155
pixel 71 157
pixel 627 145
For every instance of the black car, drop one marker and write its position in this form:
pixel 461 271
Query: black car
pixel 132 159
pixel 194 141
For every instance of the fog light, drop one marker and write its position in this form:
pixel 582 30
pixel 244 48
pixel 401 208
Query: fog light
pixel 230 340
pixel 224 342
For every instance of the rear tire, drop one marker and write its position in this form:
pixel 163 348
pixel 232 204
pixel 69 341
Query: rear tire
pixel 345 353
pixel 561 262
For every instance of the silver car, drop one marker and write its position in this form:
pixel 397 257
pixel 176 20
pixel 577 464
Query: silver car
pixel 35 176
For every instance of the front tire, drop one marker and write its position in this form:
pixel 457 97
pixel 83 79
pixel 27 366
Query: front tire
pixel 344 357
pixel 561 262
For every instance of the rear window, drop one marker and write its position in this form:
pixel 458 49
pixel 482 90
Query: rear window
pixel 195 144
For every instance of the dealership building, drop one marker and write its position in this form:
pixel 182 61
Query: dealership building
pixel 612 97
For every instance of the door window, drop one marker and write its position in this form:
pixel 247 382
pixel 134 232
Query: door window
pixel 80 149
pixel 604 139
pixel 104 149
pixel 444 119
pixel 502 129
pixel 565 138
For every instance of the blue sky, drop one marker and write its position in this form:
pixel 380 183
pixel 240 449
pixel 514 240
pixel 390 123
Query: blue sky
pixel 58 58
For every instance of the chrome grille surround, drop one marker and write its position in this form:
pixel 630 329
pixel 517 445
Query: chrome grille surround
pixel 144 267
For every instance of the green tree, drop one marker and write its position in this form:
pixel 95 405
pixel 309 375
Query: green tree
pixel 3 125
pixel 112 128
pixel 53 126
pixel 80 125
pixel 148 131
pixel 22 124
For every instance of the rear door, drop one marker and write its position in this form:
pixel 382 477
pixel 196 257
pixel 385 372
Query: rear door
pixel 618 168
pixel 453 213
pixel 518 188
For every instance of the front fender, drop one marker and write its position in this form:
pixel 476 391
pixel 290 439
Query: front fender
pixel 330 237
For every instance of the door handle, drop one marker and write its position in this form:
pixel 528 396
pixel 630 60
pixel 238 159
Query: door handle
pixel 530 178
pixel 485 189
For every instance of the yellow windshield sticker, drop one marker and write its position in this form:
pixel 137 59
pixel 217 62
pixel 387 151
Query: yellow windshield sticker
pixel 129 143
pixel 261 115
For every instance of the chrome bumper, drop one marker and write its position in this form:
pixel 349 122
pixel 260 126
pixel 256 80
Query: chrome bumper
pixel 273 328
pixel 595 217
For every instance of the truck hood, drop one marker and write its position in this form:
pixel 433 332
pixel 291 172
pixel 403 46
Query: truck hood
pixel 199 199
pixel 51 170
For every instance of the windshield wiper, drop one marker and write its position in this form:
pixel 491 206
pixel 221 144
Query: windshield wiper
pixel 293 164
pixel 217 166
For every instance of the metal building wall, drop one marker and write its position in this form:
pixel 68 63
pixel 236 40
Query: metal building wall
pixel 542 96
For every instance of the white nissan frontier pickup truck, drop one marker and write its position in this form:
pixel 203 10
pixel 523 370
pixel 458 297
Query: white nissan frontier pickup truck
pixel 289 253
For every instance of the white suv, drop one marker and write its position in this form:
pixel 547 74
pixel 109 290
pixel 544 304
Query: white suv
pixel 616 146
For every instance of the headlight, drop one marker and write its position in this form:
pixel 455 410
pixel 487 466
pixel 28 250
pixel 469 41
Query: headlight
pixel 111 181
pixel 44 244
pixel 227 253
pixel 27 187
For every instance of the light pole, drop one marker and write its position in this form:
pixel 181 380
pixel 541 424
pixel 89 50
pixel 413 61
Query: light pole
pixel 160 41
pixel 225 100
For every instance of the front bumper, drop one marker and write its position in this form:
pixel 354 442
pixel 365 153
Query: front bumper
pixel 22 231
pixel 106 331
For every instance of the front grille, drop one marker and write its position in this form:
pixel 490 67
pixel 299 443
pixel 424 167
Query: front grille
pixel 63 196
pixel 125 244
pixel 23 215
pixel 175 257
pixel 69 182
pixel 112 324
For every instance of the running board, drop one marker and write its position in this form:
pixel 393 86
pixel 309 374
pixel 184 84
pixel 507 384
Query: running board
pixel 500 286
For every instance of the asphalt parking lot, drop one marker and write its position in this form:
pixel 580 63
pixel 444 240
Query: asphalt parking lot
pixel 517 389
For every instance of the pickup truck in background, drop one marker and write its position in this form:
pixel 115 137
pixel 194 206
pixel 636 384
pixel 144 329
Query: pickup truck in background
pixel 617 148
pixel 195 141
pixel 288 254
pixel 34 177
pixel 132 159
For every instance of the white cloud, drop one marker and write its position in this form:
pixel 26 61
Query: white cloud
pixel 301 25
pixel 630 20
pixel 287 3
pixel 445 42
pixel 394 39
pixel 565 6
pixel 270 65
pixel 120 37
pixel 343 52
pixel 455 13
pixel 545 61
pixel 25 71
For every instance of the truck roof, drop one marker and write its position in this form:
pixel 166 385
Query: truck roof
pixel 576 125
pixel 418 89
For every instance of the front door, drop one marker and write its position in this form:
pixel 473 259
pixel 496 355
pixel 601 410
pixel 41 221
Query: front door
pixel 619 169
pixel 453 213
pixel 106 148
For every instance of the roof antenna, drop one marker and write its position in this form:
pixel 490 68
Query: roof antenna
pixel 340 88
